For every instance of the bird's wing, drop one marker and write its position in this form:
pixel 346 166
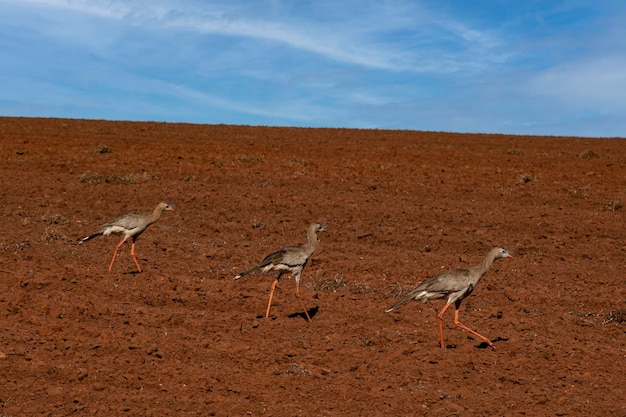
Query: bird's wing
pixel 127 221
pixel 294 256
pixel 439 286
pixel 289 256
pixel 446 282
pixel 273 258
pixel 283 258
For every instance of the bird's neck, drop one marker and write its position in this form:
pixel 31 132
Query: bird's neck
pixel 312 241
pixel 483 267
pixel 156 214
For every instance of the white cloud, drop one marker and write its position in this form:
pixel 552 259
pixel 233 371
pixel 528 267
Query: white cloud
pixel 596 82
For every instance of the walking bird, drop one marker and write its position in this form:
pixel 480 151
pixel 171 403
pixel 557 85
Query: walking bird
pixel 289 260
pixel 455 284
pixel 130 226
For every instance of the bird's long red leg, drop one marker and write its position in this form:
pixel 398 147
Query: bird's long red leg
pixel 302 302
pixel 464 327
pixel 440 317
pixel 269 304
pixel 117 248
pixel 132 254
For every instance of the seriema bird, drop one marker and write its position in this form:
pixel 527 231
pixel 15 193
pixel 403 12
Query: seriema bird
pixel 130 226
pixel 455 285
pixel 289 260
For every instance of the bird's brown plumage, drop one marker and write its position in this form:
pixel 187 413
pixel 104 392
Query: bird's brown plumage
pixel 289 260
pixel 130 226
pixel 455 285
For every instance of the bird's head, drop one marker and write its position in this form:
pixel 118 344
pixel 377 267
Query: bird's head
pixel 503 253
pixel 314 229
pixel 167 206
pixel 320 226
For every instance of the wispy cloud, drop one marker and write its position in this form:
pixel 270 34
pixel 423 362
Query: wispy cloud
pixel 371 41
pixel 105 9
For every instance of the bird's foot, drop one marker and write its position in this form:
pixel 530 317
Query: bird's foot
pixel 485 345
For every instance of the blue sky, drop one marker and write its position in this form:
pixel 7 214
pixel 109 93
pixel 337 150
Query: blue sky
pixel 517 67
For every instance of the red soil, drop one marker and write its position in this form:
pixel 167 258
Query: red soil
pixel 182 338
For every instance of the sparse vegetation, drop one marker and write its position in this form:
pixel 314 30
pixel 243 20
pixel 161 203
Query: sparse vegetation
pixel 218 162
pixel 249 159
pixel 295 369
pixel 577 193
pixel 54 219
pixel 593 318
pixel 102 149
pixel 613 205
pixel 328 284
pixel 93 178
pixel 617 317
pixel 398 290
pixel 589 154
pixel 51 235
pixel 296 161
pixel 359 288
pixel 340 283
pixel 526 178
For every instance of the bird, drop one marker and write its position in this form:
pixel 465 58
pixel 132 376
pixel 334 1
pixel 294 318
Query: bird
pixel 289 260
pixel 455 284
pixel 130 226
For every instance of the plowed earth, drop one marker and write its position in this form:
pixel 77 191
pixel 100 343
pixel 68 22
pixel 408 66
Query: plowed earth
pixel 183 338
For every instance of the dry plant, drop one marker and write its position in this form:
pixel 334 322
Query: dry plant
pixel 54 219
pixel 295 369
pixel 613 205
pixel 398 290
pixel 617 317
pixel 526 178
pixel 296 161
pixel 248 159
pixel 93 178
pixel 51 235
pixel 359 288
pixel 589 154
pixel 338 283
pixel 577 193
pixel 327 284
pixel 102 149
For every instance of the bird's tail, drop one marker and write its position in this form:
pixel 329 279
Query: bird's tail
pixel 398 304
pixel 246 272
pixel 89 237
pixel 417 294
